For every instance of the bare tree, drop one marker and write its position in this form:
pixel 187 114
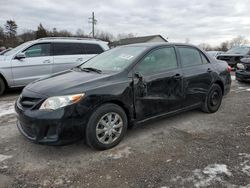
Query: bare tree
pixel 125 36
pixel 80 33
pixel 224 46
pixel 238 41
pixel 27 35
pixel 106 36
pixel 205 46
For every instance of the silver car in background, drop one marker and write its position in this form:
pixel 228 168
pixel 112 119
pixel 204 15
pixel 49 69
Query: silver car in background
pixel 43 57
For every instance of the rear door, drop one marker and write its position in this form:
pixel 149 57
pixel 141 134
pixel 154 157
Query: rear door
pixel 197 75
pixel 37 64
pixel 157 83
pixel 68 55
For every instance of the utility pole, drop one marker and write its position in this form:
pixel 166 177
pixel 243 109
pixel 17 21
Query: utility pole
pixel 93 21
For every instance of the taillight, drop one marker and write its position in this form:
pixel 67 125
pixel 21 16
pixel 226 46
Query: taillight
pixel 229 68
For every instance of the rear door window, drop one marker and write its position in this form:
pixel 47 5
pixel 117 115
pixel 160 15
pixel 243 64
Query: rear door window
pixel 68 49
pixel 189 56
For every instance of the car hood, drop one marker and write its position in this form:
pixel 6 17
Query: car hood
pixel 67 82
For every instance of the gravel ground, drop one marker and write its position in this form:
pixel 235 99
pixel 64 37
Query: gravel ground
pixel 192 149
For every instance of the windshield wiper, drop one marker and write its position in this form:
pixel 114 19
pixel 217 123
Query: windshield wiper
pixel 91 69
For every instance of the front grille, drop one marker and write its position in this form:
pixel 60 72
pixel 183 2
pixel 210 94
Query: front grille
pixel 28 102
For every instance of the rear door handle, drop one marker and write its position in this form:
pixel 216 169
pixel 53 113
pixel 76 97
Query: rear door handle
pixel 209 70
pixel 79 59
pixel 47 61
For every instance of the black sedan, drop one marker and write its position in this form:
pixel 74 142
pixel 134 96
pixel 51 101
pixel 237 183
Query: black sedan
pixel 243 70
pixel 119 88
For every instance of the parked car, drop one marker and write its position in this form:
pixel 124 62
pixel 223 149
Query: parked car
pixel 4 51
pixel 118 88
pixel 243 70
pixel 43 57
pixel 214 53
pixel 233 56
pixel 2 48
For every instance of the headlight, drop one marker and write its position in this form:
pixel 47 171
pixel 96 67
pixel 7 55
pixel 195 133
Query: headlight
pixel 240 66
pixel 54 103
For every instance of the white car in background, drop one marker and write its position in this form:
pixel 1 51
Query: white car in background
pixel 39 58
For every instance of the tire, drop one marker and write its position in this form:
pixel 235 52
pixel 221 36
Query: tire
pixel 2 86
pixel 213 99
pixel 110 121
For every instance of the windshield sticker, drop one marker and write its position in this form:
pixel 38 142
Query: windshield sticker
pixel 126 56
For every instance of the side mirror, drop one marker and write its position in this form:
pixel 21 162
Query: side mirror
pixel 20 56
pixel 138 75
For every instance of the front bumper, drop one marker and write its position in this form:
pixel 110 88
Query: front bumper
pixel 242 75
pixel 57 127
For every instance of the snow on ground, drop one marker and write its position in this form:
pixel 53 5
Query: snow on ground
pixel 205 177
pixel 120 153
pixel 245 165
pixel 216 173
pixel 4 157
pixel 6 108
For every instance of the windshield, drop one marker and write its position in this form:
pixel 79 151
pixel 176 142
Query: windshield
pixel 16 49
pixel 116 59
pixel 238 50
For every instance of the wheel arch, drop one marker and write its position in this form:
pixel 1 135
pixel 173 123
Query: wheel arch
pixel 220 83
pixel 4 80
pixel 128 112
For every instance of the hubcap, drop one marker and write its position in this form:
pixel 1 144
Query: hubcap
pixel 215 98
pixel 109 128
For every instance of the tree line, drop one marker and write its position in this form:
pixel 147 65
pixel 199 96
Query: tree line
pixel 226 45
pixel 10 38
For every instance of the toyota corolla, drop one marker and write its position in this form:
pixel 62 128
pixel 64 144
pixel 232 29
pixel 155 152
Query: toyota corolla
pixel 127 85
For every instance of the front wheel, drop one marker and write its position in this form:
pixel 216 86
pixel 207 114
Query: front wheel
pixel 213 99
pixel 106 127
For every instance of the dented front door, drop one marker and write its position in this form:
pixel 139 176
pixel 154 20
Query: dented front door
pixel 157 84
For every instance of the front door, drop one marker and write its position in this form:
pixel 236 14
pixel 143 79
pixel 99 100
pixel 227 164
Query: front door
pixel 157 84
pixel 36 64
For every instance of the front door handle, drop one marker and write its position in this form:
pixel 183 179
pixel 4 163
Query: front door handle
pixel 47 61
pixel 177 76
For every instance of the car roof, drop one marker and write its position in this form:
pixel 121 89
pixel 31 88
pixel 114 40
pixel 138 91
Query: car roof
pixel 71 39
pixel 158 44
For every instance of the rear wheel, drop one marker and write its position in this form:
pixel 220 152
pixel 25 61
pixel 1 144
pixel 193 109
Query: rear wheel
pixel 2 86
pixel 213 99
pixel 106 127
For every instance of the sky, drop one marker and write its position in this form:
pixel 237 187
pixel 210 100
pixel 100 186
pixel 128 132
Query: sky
pixel 199 21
